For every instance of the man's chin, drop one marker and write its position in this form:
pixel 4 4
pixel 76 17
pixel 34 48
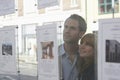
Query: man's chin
pixel 66 40
pixel 69 42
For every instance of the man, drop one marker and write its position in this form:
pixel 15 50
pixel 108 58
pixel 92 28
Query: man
pixel 74 28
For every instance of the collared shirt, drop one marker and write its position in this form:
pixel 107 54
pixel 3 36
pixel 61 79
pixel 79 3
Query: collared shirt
pixel 69 71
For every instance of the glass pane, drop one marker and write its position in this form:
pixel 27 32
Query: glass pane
pixel 116 7
pixel 102 9
pixel 109 8
pixel 116 1
pixel 101 1
pixel 109 1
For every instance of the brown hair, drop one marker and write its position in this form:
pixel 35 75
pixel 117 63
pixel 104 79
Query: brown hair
pixel 89 39
pixel 81 21
pixel 82 65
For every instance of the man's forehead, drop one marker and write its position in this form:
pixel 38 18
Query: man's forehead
pixel 71 22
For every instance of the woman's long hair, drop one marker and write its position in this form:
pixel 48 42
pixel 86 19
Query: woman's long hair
pixel 83 63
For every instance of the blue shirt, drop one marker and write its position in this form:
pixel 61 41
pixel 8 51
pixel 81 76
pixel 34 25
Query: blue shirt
pixel 69 71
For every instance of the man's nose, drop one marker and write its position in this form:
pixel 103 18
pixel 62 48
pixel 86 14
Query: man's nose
pixel 67 30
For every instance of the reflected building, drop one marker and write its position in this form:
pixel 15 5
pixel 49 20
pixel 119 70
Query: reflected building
pixel 112 51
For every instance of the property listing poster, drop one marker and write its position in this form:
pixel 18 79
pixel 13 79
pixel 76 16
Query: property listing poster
pixel 47 3
pixel 47 52
pixel 7 51
pixel 7 7
pixel 109 49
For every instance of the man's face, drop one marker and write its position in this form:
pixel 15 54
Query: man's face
pixel 71 31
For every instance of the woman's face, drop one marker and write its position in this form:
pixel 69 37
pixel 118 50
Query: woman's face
pixel 86 51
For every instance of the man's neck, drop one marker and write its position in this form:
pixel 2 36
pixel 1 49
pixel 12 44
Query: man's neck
pixel 71 48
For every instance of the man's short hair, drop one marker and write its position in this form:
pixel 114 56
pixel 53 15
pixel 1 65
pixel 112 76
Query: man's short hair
pixel 82 22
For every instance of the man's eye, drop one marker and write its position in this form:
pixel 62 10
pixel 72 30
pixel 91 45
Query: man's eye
pixel 72 28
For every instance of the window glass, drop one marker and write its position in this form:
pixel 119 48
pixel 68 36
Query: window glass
pixel 109 8
pixel 105 6
pixel 102 10
pixel 101 1
pixel 109 1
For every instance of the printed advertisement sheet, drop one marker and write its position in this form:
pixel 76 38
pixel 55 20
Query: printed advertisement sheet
pixel 47 52
pixel 7 50
pixel 7 7
pixel 109 49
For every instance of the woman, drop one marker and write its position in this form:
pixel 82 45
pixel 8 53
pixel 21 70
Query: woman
pixel 86 63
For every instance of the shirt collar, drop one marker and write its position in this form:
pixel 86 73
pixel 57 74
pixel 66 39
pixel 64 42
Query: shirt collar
pixel 62 50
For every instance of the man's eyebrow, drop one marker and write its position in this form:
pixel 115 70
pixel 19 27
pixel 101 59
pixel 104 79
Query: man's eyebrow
pixel 72 27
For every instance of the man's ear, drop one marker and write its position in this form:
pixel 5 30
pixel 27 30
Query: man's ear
pixel 81 34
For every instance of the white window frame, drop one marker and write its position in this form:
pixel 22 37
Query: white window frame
pixel 29 7
pixel 73 3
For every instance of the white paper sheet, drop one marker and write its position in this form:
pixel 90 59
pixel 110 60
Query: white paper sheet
pixel 7 51
pixel 109 49
pixel 47 52
pixel 7 7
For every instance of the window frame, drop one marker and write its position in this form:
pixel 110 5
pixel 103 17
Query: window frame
pixel 73 3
